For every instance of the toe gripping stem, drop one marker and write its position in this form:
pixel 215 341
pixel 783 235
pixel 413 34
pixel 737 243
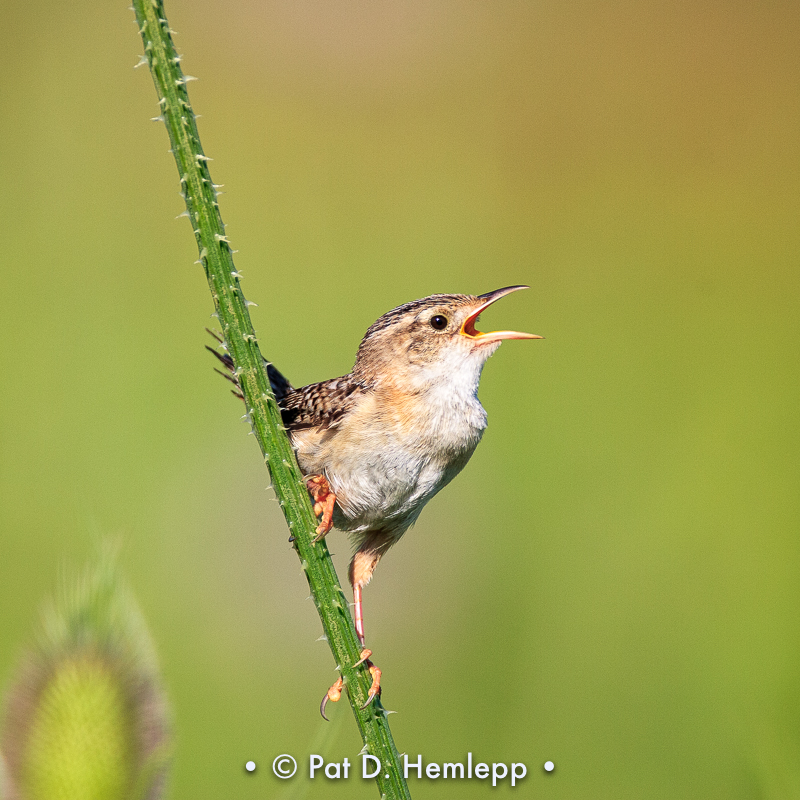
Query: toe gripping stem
pixel 335 692
pixel 324 502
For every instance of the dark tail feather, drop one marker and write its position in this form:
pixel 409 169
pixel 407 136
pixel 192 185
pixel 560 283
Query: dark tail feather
pixel 280 386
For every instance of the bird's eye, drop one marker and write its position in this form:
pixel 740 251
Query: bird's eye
pixel 439 322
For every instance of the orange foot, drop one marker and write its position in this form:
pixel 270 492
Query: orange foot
pixel 324 501
pixel 335 692
pixel 375 689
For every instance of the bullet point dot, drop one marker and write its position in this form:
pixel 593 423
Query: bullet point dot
pixel 250 766
pixel 549 766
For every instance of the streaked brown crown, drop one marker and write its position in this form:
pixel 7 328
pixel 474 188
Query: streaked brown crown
pixel 405 335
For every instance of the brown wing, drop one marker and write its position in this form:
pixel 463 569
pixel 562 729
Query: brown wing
pixel 320 405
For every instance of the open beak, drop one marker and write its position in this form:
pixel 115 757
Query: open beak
pixel 468 328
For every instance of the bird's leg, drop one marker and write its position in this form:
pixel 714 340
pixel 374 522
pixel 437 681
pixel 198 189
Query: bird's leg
pixel 324 501
pixel 361 568
pixel 335 692
pixel 375 689
pixel 359 613
pixel 363 564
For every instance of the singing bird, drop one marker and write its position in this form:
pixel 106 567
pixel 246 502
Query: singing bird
pixel 378 443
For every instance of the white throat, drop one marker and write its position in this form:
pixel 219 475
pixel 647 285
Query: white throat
pixel 450 389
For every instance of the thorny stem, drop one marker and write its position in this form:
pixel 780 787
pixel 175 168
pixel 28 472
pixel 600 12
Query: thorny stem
pixel 217 260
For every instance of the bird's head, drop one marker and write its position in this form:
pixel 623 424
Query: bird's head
pixel 431 339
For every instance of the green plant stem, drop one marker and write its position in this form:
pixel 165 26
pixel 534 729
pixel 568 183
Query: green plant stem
pixel 217 260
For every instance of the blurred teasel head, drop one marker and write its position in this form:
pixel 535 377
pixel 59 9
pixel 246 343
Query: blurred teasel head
pixel 86 717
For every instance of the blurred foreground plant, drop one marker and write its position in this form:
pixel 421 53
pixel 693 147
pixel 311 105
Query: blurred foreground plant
pixel 86 718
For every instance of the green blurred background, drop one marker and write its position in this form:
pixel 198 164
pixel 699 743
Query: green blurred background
pixel 612 583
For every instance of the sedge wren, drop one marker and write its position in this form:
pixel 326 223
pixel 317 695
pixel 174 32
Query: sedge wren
pixel 377 444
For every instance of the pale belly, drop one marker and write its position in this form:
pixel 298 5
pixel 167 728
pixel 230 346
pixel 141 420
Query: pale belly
pixel 386 459
pixel 383 490
pixel 382 480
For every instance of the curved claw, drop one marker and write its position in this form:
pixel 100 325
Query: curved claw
pixel 370 698
pixel 322 706
pixel 333 694
pixel 375 689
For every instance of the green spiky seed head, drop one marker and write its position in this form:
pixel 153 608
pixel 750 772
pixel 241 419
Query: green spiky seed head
pixel 86 718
